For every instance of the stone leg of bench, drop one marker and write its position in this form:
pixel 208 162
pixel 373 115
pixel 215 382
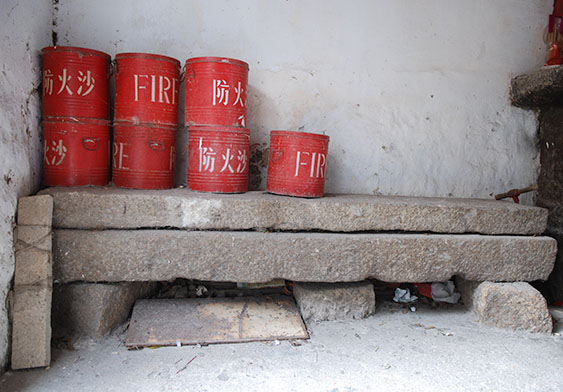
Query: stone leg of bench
pixel 516 306
pixel 335 301
pixel 94 309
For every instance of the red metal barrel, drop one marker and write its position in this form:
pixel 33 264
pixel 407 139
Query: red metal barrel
pixel 75 82
pixel 143 156
pixel 146 89
pixel 297 163
pixel 218 159
pixel 216 90
pixel 75 152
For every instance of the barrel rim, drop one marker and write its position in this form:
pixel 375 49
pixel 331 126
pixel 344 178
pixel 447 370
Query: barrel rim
pixel 122 123
pixel 220 60
pixel 75 120
pixel 74 49
pixel 305 135
pixel 151 56
pixel 218 128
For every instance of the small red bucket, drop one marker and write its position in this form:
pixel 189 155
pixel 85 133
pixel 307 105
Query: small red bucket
pixel 218 159
pixel 143 156
pixel 146 89
pixel 75 152
pixel 297 163
pixel 75 82
pixel 216 90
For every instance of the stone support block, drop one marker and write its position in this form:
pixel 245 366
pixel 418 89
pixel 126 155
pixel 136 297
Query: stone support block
pixel 539 88
pixel 35 210
pixel 334 301
pixel 516 306
pixel 31 334
pixel 94 309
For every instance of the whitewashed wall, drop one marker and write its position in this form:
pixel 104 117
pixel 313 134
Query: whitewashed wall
pixel 414 94
pixel 26 28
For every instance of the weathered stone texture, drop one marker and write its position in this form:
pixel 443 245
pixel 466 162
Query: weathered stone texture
pixel 334 301
pixel 114 208
pixel 35 210
pixel 31 333
pixel 539 88
pixel 253 257
pixel 94 309
pixel 516 306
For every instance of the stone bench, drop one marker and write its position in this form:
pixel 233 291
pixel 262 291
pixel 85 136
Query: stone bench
pixel 109 236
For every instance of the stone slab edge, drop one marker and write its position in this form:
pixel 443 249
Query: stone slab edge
pixel 539 88
pixel 253 257
pixel 113 208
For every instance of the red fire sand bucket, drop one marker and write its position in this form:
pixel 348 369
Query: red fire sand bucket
pixel 218 159
pixel 75 82
pixel 143 156
pixel 216 91
pixel 75 152
pixel 146 89
pixel 297 163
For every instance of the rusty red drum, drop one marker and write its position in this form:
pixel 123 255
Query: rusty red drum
pixel 216 91
pixel 143 156
pixel 75 152
pixel 146 89
pixel 297 163
pixel 75 82
pixel 218 159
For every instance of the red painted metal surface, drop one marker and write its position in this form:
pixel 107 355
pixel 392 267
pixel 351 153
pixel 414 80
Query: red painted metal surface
pixel 216 90
pixel 146 89
pixel 75 82
pixel 143 156
pixel 218 159
pixel 297 163
pixel 75 152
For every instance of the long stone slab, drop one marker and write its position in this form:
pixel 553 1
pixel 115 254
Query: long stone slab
pixel 114 208
pixel 158 255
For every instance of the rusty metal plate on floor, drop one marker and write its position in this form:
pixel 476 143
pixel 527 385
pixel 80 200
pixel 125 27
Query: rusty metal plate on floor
pixel 169 322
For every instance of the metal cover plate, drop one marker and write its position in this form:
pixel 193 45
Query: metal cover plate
pixel 167 322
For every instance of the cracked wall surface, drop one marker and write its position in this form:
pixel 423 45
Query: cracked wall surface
pixel 26 28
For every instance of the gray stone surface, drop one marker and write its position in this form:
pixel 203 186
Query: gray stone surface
pixel 94 309
pixel 114 208
pixel 33 267
pixel 539 88
pixel 253 257
pixel 35 210
pixel 334 301
pixel 516 306
pixel 31 333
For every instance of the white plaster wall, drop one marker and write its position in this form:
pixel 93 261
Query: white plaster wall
pixel 26 28
pixel 414 94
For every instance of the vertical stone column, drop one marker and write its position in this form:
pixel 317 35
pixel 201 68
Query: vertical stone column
pixel 33 283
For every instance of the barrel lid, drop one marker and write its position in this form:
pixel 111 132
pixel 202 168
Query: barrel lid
pixel 224 60
pixel 136 55
pixel 306 135
pixel 74 49
pixel 76 120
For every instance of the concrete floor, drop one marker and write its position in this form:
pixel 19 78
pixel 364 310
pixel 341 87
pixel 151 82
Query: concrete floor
pixel 431 349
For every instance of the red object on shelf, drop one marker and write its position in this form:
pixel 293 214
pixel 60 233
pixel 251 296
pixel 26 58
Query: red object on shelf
pixel 218 159
pixel 143 156
pixel 146 89
pixel 558 8
pixel 297 163
pixel 216 91
pixel 554 58
pixel 75 82
pixel 75 152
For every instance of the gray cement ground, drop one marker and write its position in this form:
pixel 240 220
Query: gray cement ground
pixel 431 349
